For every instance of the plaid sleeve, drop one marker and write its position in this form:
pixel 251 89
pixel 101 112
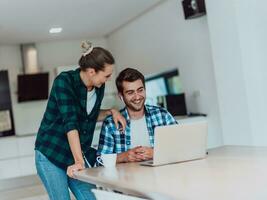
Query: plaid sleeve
pixel 65 99
pixel 106 139
pixel 169 119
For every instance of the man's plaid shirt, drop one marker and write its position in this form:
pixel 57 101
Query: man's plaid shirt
pixel 112 141
pixel 66 111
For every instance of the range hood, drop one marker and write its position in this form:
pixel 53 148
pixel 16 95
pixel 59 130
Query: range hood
pixel 32 84
pixel 29 58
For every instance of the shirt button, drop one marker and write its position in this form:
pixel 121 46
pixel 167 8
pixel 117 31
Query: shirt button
pixel 128 143
pixel 84 132
pixel 86 120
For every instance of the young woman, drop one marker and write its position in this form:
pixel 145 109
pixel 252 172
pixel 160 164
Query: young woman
pixel 66 131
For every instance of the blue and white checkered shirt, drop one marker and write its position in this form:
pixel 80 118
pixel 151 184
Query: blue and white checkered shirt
pixel 112 141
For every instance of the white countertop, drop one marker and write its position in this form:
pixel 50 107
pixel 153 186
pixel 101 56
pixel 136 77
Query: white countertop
pixel 228 173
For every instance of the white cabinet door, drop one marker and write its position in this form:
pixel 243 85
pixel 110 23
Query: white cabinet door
pixel 8 147
pixel 26 145
pixel 27 166
pixel 17 157
pixel 9 168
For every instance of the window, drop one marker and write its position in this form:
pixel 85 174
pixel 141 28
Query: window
pixel 162 84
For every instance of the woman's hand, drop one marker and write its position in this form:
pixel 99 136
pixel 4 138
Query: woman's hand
pixel 73 168
pixel 118 118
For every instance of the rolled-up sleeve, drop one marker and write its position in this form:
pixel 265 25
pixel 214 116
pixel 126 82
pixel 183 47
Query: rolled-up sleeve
pixel 106 139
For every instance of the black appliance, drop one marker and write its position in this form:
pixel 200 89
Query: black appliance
pixel 6 114
pixel 33 87
pixel 193 8
pixel 174 103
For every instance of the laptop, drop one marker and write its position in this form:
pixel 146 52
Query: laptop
pixel 179 143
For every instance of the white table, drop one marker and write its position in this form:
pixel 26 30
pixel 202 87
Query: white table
pixel 228 173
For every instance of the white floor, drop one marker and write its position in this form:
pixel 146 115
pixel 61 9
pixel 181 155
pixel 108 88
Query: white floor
pixel 36 192
pixel 31 190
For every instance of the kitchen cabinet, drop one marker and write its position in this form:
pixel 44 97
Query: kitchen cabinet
pixel 17 156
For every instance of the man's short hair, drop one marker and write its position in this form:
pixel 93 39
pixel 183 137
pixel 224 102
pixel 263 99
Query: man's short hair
pixel 129 75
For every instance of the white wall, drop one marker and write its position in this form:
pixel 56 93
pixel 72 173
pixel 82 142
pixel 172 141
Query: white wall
pixel 28 115
pixel 229 72
pixel 251 20
pixel 238 37
pixel 161 39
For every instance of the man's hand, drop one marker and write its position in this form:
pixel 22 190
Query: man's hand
pixel 129 156
pixel 75 167
pixel 136 154
pixel 145 153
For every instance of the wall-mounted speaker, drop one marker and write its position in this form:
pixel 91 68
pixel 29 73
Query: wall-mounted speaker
pixel 193 8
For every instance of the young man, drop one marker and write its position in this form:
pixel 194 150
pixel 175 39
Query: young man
pixel 136 144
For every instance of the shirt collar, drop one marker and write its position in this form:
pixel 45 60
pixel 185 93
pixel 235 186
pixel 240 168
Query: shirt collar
pixel 79 83
pixel 125 113
pixel 77 78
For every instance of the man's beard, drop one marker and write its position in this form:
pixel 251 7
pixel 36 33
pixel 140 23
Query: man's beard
pixel 135 107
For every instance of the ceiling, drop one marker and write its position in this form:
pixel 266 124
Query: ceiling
pixel 30 20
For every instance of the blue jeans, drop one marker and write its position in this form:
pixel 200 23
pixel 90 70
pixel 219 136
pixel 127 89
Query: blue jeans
pixel 57 182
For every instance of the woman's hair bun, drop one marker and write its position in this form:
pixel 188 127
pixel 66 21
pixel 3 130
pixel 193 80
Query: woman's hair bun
pixel 87 47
